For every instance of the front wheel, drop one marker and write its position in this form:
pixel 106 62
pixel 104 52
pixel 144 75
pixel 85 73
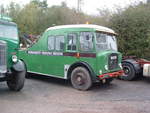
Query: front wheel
pixel 81 79
pixel 16 80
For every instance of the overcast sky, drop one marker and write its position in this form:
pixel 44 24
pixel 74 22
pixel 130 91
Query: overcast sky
pixel 88 6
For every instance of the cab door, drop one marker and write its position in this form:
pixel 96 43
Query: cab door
pixel 72 42
pixel 66 48
pixel 56 46
pixel 61 53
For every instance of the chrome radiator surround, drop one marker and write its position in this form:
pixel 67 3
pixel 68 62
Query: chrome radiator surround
pixel 3 57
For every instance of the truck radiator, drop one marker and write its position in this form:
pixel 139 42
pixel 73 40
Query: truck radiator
pixel 3 57
pixel 113 61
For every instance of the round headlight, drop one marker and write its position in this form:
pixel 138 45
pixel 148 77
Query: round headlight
pixel 100 72
pixel 14 58
pixel 106 67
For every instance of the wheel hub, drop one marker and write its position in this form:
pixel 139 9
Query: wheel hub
pixel 126 70
pixel 79 80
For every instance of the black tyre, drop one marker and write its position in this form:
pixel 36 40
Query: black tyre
pixel 16 80
pixel 129 72
pixel 81 79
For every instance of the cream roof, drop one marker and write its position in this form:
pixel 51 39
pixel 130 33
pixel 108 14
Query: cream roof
pixel 97 27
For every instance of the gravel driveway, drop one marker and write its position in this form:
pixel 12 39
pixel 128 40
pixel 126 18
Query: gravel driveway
pixel 50 95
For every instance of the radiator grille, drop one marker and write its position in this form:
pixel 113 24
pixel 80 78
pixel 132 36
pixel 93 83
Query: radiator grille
pixel 3 57
pixel 113 61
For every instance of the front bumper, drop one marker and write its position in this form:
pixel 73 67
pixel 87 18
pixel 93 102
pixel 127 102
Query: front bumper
pixel 111 75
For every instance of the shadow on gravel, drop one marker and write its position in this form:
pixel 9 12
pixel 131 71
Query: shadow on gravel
pixel 5 94
pixel 96 86
pixel 139 79
pixel 67 83
pixel 4 91
pixel 146 79
pixel 102 87
pixel 49 79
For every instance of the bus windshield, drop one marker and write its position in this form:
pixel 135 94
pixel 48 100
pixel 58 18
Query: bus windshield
pixel 105 42
pixel 7 31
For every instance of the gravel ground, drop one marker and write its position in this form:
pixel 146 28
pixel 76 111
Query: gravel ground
pixel 50 95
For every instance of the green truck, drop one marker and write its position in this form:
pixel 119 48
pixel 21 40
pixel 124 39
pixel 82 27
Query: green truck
pixel 12 69
pixel 83 54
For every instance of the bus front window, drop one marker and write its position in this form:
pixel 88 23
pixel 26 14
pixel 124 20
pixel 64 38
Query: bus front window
pixel 105 42
pixel 10 32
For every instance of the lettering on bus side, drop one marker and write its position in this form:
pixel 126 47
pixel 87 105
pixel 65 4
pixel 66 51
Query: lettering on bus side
pixel 92 55
pixel 45 53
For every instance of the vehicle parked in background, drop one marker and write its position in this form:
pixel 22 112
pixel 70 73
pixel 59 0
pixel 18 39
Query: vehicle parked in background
pixel 135 67
pixel 83 54
pixel 12 69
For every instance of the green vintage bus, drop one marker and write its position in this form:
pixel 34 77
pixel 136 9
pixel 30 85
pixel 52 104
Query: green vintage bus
pixel 12 69
pixel 83 54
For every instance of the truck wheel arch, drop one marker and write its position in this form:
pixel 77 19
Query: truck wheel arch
pixel 81 64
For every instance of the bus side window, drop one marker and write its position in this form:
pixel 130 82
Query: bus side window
pixel 60 44
pixel 51 42
pixel 71 41
pixel 86 41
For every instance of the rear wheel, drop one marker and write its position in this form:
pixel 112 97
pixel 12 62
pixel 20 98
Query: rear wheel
pixel 81 79
pixel 16 80
pixel 129 72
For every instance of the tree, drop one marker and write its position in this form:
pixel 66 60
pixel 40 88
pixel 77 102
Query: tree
pixel 148 1
pixel 2 9
pixel 133 26
pixel 14 10
pixel 36 16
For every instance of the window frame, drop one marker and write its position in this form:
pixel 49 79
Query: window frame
pixel 48 42
pixel 107 34
pixel 76 34
pixel 55 36
pixel 64 43
pixel 93 49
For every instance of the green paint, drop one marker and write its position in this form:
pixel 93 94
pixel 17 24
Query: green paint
pixel 54 65
pixel 9 34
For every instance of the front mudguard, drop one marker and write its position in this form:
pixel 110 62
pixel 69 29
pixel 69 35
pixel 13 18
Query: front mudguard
pixel 87 66
pixel 19 66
